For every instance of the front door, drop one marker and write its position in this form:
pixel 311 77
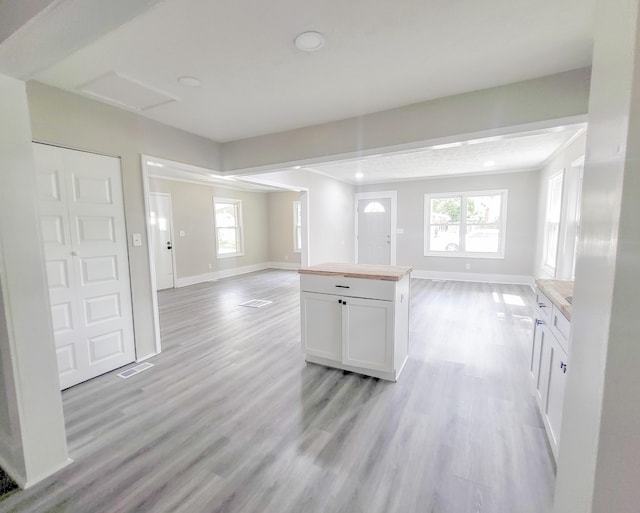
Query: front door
pixel 161 239
pixel 85 243
pixel 374 231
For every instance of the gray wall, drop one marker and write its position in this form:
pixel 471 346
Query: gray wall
pixel 69 120
pixel 281 227
pixel 543 101
pixel 192 206
pixel 520 241
pixel 330 216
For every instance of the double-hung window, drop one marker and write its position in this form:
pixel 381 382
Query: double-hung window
pixel 228 225
pixel 465 224
pixel 297 227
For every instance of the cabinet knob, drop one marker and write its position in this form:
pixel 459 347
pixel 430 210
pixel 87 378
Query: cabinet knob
pixel 340 301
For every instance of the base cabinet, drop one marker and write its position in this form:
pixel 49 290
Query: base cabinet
pixel 548 367
pixel 368 335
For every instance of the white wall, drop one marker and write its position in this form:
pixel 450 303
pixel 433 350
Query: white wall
pixel 330 215
pixel 599 458
pixel 32 442
pixel 562 162
pixel 517 264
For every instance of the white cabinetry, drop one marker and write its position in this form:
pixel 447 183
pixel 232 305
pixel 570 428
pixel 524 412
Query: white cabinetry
pixel 356 324
pixel 549 364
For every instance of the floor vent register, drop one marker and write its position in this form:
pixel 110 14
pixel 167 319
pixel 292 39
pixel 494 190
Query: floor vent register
pixel 135 370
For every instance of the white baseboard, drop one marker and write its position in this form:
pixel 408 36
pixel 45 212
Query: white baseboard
pixel 287 266
pixel 12 472
pixel 234 271
pixel 513 279
pixel 216 275
pixel 50 472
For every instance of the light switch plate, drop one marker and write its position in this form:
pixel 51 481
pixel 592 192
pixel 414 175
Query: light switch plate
pixel 137 239
pixel 182 233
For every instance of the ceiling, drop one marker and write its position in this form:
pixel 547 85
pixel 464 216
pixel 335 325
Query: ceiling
pixel 379 54
pixel 514 152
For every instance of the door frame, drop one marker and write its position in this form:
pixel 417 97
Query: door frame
pixel 391 195
pixel 173 238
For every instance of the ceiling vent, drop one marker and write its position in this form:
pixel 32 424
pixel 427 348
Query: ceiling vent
pixel 126 92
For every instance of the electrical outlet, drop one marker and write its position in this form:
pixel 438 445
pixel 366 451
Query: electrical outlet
pixel 468 266
pixel 209 266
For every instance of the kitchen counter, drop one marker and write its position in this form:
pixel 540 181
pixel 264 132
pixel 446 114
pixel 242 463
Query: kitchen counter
pixel 557 291
pixel 369 272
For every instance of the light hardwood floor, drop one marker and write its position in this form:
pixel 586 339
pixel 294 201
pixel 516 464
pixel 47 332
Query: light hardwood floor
pixel 231 418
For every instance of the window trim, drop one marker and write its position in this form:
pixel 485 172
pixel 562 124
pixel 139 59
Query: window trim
pixel 559 175
pixel 499 255
pixel 237 203
pixel 297 207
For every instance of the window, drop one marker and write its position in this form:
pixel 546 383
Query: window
pixel 469 224
pixel 374 207
pixel 228 223
pixel 297 227
pixel 552 223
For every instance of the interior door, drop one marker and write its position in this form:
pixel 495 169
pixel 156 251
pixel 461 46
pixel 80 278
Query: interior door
pixel 162 239
pixel 83 227
pixel 374 231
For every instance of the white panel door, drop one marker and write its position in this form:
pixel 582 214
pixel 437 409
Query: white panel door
pixel 162 239
pixel 82 218
pixel 374 231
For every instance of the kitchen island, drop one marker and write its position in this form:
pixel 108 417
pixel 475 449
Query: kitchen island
pixel 356 317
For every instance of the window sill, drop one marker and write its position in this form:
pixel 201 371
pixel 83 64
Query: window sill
pixel 451 254
pixel 229 255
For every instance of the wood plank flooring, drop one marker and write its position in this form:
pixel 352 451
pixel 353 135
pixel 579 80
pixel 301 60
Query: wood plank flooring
pixel 231 418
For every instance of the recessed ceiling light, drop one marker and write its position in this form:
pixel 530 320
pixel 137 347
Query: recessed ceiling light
pixel 489 163
pixel 359 175
pixel 189 81
pixel 309 41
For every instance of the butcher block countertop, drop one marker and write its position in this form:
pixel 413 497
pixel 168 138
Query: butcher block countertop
pixel 557 291
pixel 369 272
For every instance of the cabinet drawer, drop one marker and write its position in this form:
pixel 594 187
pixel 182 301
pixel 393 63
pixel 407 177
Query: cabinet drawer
pixel 354 287
pixel 544 305
pixel 561 326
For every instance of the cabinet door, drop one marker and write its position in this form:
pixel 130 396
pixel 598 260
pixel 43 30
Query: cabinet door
pixel 546 354
pixel 367 332
pixel 555 390
pixel 321 323
pixel 536 353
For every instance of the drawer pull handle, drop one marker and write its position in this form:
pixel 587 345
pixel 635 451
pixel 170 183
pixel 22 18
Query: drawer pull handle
pixel 541 305
pixel 343 286
pixel 563 366
pixel 539 322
